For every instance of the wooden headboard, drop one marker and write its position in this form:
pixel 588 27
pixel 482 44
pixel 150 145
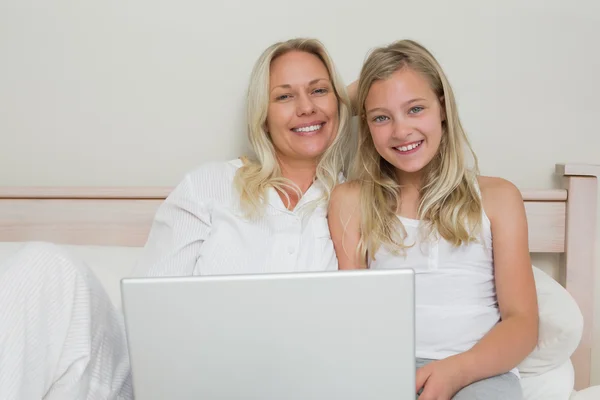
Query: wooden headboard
pixel 560 221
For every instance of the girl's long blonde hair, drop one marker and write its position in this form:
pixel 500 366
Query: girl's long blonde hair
pixel 262 171
pixel 450 204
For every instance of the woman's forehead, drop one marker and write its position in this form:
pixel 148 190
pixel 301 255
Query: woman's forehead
pixel 297 68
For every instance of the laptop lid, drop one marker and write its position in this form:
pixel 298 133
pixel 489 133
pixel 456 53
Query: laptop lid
pixel 319 336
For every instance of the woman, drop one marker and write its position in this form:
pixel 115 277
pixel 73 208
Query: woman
pixel 60 336
pixel 414 203
pixel 251 216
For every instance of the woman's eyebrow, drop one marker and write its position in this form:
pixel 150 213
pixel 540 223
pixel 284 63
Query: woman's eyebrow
pixel 288 86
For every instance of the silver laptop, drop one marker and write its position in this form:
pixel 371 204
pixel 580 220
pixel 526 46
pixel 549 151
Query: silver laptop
pixel 319 336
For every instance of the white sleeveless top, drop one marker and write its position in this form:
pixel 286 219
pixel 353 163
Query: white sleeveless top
pixel 455 300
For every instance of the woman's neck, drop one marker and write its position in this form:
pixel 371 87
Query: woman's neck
pixel 300 172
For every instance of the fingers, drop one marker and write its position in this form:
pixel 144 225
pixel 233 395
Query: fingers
pixel 431 392
pixel 423 374
pixel 428 395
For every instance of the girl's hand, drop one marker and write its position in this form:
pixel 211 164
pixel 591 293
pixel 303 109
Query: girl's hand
pixel 441 380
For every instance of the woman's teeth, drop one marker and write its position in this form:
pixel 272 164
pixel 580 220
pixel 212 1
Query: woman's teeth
pixel 409 147
pixel 311 128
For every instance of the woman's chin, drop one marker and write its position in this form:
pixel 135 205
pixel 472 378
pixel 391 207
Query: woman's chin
pixel 312 152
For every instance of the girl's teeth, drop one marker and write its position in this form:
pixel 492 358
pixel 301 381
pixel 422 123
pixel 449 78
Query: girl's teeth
pixel 311 128
pixel 409 147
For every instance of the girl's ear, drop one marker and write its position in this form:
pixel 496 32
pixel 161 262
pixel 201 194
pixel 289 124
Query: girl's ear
pixel 443 109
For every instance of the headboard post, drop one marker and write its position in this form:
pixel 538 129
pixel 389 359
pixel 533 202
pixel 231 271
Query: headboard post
pixel 577 263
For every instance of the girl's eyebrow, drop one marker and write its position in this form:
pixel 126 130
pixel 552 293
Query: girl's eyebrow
pixel 405 104
pixel 377 109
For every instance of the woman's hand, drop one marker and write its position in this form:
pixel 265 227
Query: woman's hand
pixel 441 380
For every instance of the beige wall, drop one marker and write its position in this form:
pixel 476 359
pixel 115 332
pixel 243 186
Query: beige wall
pixel 138 92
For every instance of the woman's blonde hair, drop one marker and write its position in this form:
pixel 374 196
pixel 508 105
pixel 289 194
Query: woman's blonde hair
pixel 262 171
pixel 450 205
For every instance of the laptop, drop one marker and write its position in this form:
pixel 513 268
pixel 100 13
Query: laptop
pixel 295 336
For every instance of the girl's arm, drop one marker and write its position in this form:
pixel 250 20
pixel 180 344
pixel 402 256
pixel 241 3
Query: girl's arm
pixel 344 224
pixel 516 335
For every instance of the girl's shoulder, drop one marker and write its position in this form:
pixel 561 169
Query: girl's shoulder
pixel 492 186
pixel 349 190
pixel 497 194
pixel 345 199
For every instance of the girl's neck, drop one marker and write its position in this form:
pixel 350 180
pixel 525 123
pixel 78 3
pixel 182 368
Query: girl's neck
pixel 410 193
pixel 408 181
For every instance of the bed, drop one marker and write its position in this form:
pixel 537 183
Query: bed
pixel 561 221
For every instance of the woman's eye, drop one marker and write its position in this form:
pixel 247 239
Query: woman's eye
pixel 282 97
pixel 415 110
pixel 380 118
pixel 321 91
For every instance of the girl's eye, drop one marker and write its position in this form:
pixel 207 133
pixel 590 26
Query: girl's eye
pixel 415 110
pixel 380 118
pixel 282 97
pixel 321 91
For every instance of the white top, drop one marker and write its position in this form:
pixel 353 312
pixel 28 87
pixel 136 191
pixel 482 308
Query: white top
pixel 455 292
pixel 200 230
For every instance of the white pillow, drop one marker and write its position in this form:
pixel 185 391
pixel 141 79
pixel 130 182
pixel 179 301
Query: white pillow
pixel 109 263
pixel 9 248
pixel 560 329
pixel 554 384
pixel 561 321
pixel 591 393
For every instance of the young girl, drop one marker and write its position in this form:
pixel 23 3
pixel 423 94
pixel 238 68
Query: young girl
pixel 414 203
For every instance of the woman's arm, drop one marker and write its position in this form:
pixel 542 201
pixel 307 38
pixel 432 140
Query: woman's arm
pixel 516 335
pixel 180 226
pixel 344 224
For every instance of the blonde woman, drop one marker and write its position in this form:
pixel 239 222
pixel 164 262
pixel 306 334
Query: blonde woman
pixel 414 202
pixel 266 213
pixel 60 336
